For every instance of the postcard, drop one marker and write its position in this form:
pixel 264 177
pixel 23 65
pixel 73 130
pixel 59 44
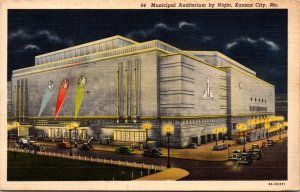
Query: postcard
pixel 150 95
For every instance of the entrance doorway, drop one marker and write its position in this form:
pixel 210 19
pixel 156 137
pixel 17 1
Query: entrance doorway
pixel 132 136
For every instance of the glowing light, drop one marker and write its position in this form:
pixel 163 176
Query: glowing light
pixel 13 125
pixel 241 126
pixel 147 125
pixel 219 130
pixel 72 125
pixel 168 128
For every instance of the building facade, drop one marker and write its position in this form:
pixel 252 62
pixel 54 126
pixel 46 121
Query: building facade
pixel 113 86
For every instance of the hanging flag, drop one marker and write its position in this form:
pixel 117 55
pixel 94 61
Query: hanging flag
pixel 46 97
pixel 80 90
pixel 62 93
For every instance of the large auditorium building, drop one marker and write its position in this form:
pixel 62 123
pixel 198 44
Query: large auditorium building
pixel 113 86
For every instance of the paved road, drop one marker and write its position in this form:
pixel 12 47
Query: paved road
pixel 273 166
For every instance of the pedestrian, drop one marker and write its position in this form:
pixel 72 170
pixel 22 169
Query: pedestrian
pixel 141 146
pixel 75 144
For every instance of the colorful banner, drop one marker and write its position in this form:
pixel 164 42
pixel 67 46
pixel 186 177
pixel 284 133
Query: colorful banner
pixel 46 97
pixel 80 90
pixel 62 93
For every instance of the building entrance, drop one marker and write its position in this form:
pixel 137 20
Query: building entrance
pixel 133 136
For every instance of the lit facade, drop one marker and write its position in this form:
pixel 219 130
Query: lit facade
pixel 113 86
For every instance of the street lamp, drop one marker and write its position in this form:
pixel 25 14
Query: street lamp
pixel 242 127
pixel 14 125
pixel 168 129
pixel 71 126
pixel 279 126
pixel 219 130
pixel 147 126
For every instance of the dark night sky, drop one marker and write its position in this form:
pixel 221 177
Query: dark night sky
pixel 255 38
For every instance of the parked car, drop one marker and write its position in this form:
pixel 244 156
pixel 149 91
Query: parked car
pixel 220 147
pixel 255 146
pixel 126 150
pixel 23 142
pixel 256 153
pixel 153 152
pixel 34 146
pixel 193 145
pixel 64 145
pixel 86 147
pixel 270 142
pixel 236 154
pixel 246 158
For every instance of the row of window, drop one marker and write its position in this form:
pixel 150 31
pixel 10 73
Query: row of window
pixel 258 100
pixel 257 108
pixel 206 120
pixel 77 52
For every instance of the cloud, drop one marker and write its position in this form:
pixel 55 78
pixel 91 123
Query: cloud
pixel 157 28
pixel 205 39
pixel 31 47
pixel 272 45
pixel 21 34
pixel 49 35
pixel 162 26
pixel 184 23
pixel 230 45
pixel 44 34
pixel 145 33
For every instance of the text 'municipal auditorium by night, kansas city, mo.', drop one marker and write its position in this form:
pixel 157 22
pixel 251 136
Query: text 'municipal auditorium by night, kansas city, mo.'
pixel 115 86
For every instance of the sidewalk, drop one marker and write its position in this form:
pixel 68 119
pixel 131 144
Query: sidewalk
pixel 168 174
pixel 203 152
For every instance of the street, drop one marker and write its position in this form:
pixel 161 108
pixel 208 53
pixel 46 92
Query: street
pixel 273 166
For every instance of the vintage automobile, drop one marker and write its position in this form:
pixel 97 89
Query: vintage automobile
pixel 270 143
pixel 256 153
pixel 193 146
pixel 153 152
pixel 246 158
pixel 64 144
pixel 255 146
pixel 236 154
pixel 219 147
pixel 23 142
pixel 126 150
pixel 87 146
pixel 34 146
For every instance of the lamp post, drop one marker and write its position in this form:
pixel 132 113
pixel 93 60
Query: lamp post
pixel 244 135
pixel 168 164
pixel 218 130
pixel 279 126
pixel 71 126
pixel 147 126
pixel 70 138
pixel 8 137
pixel 168 129
pixel 243 128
